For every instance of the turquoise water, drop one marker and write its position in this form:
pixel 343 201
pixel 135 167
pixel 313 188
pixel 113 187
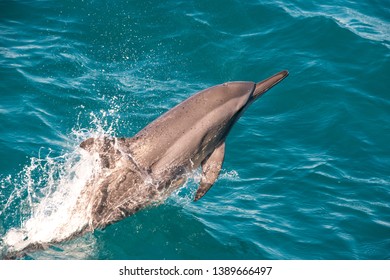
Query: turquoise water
pixel 307 167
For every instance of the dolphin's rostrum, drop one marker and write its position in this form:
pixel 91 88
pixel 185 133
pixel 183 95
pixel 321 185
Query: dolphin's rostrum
pixel 147 168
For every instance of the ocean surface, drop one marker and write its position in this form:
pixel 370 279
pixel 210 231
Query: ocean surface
pixel 307 167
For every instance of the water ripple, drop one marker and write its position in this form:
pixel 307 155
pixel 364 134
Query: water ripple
pixel 361 24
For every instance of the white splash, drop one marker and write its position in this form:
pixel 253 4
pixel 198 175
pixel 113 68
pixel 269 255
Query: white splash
pixel 52 216
pixel 45 193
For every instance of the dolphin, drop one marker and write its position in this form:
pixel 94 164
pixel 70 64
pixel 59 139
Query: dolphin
pixel 146 168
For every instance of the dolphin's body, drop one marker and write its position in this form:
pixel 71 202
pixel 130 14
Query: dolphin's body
pixel 146 168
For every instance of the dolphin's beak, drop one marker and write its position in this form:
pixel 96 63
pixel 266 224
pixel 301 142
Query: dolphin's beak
pixel 263 86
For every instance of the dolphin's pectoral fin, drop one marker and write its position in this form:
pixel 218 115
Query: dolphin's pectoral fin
pixel 211 167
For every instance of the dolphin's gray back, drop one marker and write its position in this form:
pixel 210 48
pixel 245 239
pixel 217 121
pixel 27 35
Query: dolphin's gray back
pixel 184 131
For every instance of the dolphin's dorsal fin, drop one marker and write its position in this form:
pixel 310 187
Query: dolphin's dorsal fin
pixel 88 144
pixel 211 167
pixel 101 144
pixel 105 147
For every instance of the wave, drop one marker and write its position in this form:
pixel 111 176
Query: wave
pixel 365 26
